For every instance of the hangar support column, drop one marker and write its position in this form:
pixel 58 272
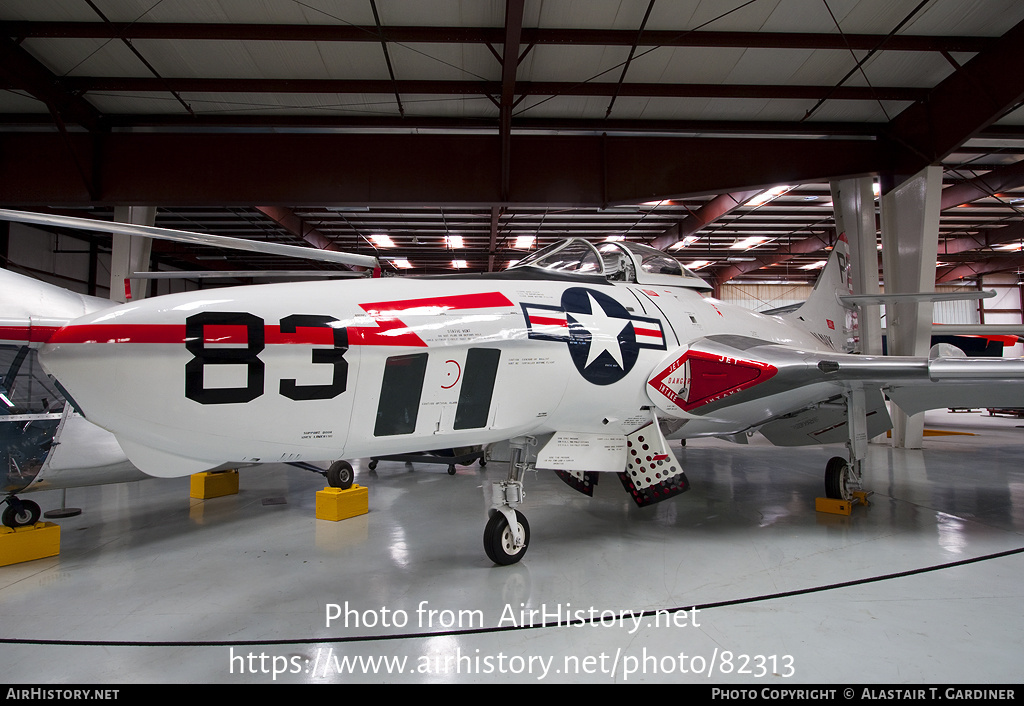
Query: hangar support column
pixel 910 237
pixel 854 204
pixel 131 252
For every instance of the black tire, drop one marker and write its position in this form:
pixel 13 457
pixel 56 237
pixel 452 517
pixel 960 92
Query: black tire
pixel 340 475
pixel 451 469
pixel 25 514
pixel 372 465
pixel 837 475
pixel 498 539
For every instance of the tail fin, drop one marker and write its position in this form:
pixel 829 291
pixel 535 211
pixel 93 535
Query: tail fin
pixel 823 314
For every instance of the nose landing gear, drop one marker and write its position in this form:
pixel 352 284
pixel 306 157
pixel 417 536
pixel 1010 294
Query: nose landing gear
pixel 507 534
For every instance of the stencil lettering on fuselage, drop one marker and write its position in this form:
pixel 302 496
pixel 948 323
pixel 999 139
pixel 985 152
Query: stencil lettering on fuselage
pixel 604 339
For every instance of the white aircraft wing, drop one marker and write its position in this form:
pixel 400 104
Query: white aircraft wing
pixel 182 236
pixel 793 394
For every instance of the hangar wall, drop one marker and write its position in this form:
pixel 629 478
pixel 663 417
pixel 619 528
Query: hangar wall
pixel 64 260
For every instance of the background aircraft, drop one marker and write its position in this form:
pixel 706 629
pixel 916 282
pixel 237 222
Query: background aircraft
pixel 44 443
pixel 576 360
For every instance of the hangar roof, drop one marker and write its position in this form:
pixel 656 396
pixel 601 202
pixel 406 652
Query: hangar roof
pixel 512 124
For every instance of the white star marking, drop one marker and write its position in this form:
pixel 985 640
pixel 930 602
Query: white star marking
pixel 604 332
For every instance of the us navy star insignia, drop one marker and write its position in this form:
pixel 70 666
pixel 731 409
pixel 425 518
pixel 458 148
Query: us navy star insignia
pixel 603 337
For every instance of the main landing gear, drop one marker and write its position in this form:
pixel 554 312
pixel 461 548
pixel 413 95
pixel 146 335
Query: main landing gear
pixel 507 534
pixel 20 513
pixel 842 476
pixel 340 475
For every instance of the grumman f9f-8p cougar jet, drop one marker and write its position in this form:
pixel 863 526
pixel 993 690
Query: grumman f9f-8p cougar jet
pixel 577 359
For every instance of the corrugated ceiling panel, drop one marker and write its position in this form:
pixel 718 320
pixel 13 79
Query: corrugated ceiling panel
pixel 572 63
pixel 85 57
pixel 453 13
pixel 239 11
pixel 596 14
pixel 442 62
pixel 968 17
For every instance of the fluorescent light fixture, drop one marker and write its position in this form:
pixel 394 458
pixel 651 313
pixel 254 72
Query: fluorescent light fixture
pixel 814 265
pixel 766 196
pixel 686 242
pixel 654 204
pixel 697 264
pixel 747 243
pixel 460 264
pixel 454 241
pixel 614 238
pixel 524 242
pixel 401 263
pixel 382 241
pixel 511 263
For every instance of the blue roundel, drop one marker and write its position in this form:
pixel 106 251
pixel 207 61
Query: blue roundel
pixel 602 341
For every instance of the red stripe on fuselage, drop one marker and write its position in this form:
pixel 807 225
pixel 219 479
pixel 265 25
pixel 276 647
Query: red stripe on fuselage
pixel 388 331
pixel 484 300
pixel 212 334
pixel 28 334
pixel 548 321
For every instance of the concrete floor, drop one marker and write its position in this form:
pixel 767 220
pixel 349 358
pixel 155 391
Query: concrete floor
pixel 154 587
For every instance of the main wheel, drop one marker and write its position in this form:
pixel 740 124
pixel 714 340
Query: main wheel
pixel 498 539
pixel 340 475
pixel 23 514
pixel 837 479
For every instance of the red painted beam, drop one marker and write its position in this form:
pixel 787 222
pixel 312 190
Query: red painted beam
pixel 971 98
pixel 483 35
pixel 721 205
pixel 331 169
pixel 992 182
pixel 135 84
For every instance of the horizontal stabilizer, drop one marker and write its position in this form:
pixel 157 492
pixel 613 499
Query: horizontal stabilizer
pixel 881 299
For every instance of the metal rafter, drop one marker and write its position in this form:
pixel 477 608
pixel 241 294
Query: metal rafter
pixel 971 98
pixel 130 84
pixel 716 208
pixel 486 35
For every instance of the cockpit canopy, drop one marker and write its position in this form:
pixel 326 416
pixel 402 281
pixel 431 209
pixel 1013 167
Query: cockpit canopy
pixel 615 261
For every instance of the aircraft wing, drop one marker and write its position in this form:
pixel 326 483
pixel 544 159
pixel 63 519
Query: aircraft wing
pixel 745 381
pixel 183 236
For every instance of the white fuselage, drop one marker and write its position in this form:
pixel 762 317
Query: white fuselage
pixel 345 369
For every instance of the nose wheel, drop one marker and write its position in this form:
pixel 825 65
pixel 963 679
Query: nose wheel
pixel 500 540
pixel 507 534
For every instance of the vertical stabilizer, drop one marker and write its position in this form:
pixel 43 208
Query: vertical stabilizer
pixel 823 314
